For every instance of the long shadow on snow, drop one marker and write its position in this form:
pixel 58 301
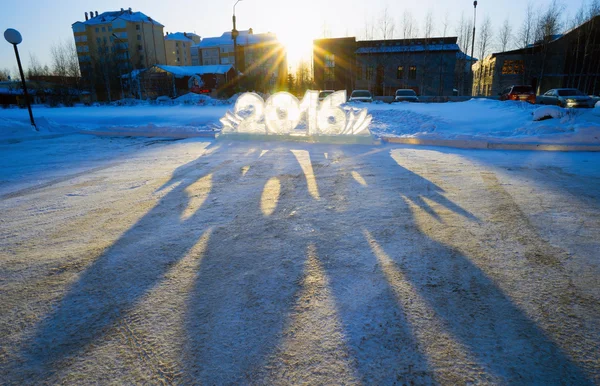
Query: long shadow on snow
pixel 112 284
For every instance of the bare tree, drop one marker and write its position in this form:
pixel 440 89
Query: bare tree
pixel 464 32
pixel 547 26
pixel 428 27
pixel 387 26
pixel 483 46
pixel 526 31
pixel 505 36
pixel 445 24
pixel 35 68
pixel 409 28
pixel 4 74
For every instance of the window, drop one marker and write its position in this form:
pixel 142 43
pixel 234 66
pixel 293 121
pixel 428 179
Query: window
pixel 104 38
pixel 81 38
pixel 176 44
pixel 109 29
pixel 412 72
pixel 400 74
pixel 97 29
pixel 370 71
pixel 112 38
pixel 98 40
pixel 183 44
pixel 139 37
pixel 329 60
pixel 140 48
pixel 513 67
pixel 137 27
pixel 119 23
pixel 329 74
pixel 78 27
pixel 103 29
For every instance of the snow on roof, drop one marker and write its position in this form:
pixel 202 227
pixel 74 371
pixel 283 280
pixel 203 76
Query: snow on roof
pixel 110 16
pixel 181 71
pixel 407 48
pixel 180 36
pixel 245 38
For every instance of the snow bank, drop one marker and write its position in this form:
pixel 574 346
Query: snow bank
pixel 199 99
pixel 476 120
pixel 548 112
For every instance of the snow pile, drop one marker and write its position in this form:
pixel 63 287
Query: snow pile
pixel 485 120
pixel 474 120
pixel 201 100
pixel 548 112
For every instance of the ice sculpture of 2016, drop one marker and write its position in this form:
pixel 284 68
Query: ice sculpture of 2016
pixel 282 114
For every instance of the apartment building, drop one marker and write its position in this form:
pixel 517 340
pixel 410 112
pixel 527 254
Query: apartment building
pixel 178 46
pixel 116 42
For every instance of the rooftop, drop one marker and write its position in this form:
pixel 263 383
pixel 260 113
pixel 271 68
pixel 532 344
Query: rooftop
pixel 123 14
pixel 245 38
pixel 179 36
pixel 182 71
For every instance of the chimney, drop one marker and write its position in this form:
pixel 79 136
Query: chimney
pixel 96 13
pixel 130 10
pixel 250 31
pixel 185 34
pixel 91 14
pixel 122 9
pixel 86 16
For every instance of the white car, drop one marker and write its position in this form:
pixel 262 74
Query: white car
pixel 361 96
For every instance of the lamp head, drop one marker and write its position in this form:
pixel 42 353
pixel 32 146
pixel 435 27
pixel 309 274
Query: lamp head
pixel 13 36
pixel 475 4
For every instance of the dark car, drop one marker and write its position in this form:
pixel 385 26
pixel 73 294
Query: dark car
pixel 566 97
pixel 406 95
pixel 518 93
pixel 324 94
pixel 361 96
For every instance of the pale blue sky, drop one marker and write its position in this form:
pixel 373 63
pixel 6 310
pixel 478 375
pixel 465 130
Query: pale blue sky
pixel 43 23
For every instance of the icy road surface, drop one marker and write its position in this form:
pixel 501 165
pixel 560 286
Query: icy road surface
pixel 137 261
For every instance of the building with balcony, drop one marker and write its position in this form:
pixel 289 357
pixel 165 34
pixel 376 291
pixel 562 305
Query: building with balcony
pixel 113 43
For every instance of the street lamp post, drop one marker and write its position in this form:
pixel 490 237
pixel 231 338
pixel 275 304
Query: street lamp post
pixel 234 35
pixel 14 37
pixel 473 43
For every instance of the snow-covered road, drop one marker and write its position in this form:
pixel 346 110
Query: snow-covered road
pixel 139 261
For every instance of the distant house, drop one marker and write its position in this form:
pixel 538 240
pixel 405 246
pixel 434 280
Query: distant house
pixel 427 66
pixel 175 81
pixel 570 60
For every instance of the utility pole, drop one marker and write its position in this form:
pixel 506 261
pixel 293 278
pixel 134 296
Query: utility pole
pixel 473 44
pixel 234 35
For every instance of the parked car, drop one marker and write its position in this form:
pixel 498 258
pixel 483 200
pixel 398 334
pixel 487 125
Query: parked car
pixel 361 96
pixel 518 93
pixel 406 95
pixel 324 94
pixel 566 97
